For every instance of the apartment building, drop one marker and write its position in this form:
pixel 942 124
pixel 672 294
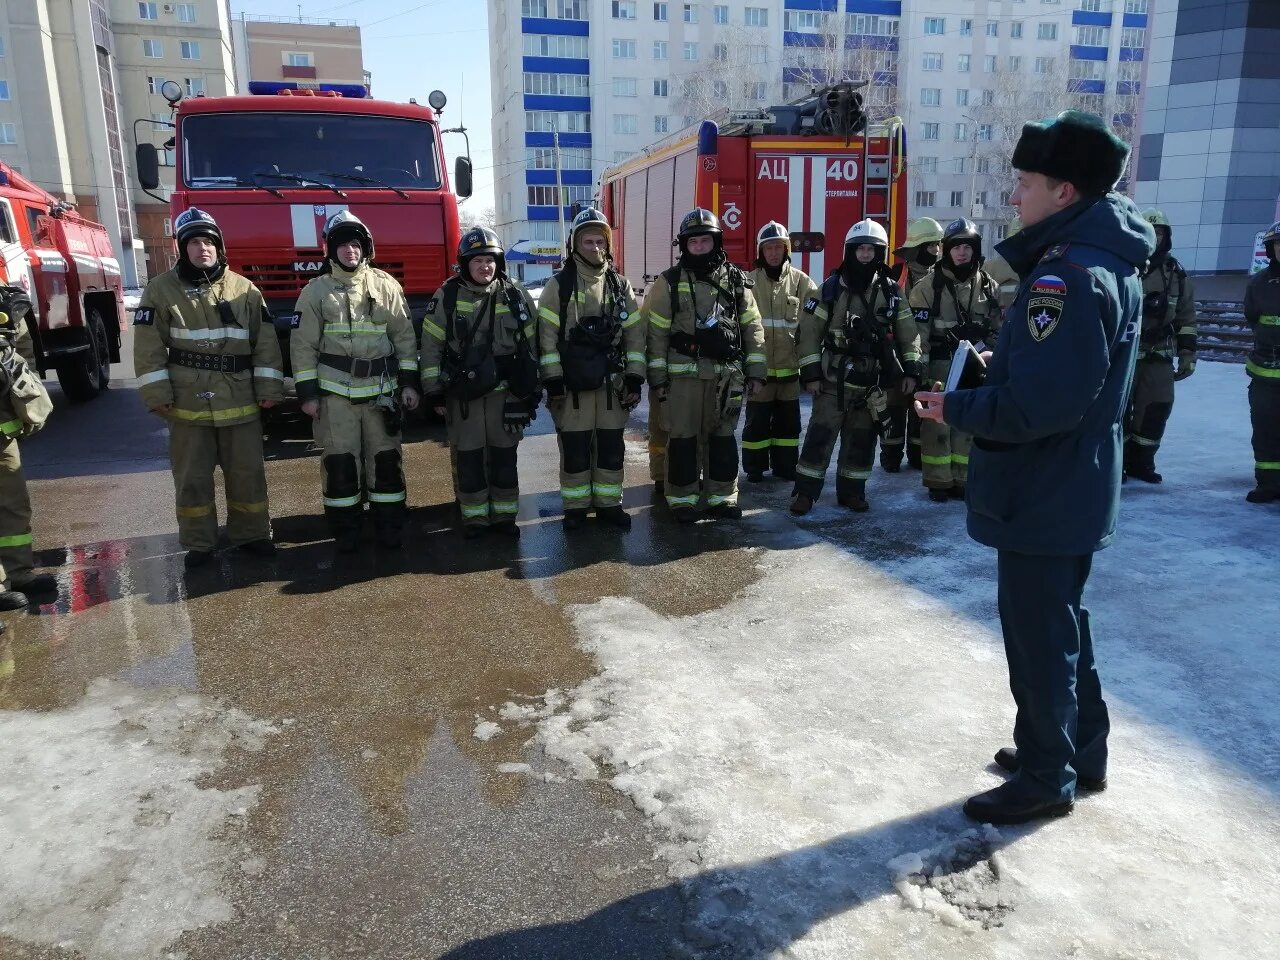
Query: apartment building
pixel 296 49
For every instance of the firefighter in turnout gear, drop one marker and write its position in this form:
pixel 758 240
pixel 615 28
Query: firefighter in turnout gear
pixel 24 406
pixel 901 426
pixel 1000 271
pixel 1262 311
pixel 1168 331
pixel 355 360
pixel 958 301
pixel 592 345
pixel 706 347
pixel 855 336
pixel 771 433
pixel 208 359
pixel 480 372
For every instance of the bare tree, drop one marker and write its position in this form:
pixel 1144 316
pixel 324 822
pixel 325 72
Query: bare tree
pixel 844 56
pixel 738 77
pixel 474 215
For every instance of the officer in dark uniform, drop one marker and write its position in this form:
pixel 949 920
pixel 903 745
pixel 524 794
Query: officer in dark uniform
pixel 1262 311
pixel 1044 473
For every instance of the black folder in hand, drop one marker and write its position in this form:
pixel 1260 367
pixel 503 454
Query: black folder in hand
pixel 968 370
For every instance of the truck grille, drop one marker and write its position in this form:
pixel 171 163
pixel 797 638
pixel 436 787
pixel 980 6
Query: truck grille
pixel 277 280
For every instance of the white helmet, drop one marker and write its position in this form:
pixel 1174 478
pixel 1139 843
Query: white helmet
pixel 867 231
pixel 773 230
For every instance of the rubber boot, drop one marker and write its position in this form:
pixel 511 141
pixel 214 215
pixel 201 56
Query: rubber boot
pixel 575 519
pixel 344 522
pixel 388 524
pixel 614 517
pixel 34 583
pixel 801 504
pixel 855 498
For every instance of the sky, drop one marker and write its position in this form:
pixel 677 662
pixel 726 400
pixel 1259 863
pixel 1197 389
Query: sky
pixel 413 47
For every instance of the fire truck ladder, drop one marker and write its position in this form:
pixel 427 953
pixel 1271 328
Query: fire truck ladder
pixel 878 173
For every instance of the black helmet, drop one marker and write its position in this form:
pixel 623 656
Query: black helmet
pixel 194 222
pixel 590 217
pixel 480 241
pixel 962 231
pixel 697 222
pixel 342 227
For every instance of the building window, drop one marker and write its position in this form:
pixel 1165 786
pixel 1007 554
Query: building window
pixel 1135 6
pixel 153 49
pixel 719 90
pixel 720 14
pixel 1087 70
pixel 190 49
pixel 927 164
pixel 186 13
pixel 720 52
pixel 8 133
pixel 554 45
pixel 803 21
pixel 959 165
pixel 866 24
pixel 755 16
pixel 557 84
pixel 566 121
pixel 1092 36
pixel 661 88
pixel 990 64
pixel 1015 30
pixel 1047 31
pixel 957 198
pixel 545 196
pixel 932 131
pixel 544 158
pixel 962 97
pixel 1 47
pixel 966 28
pixel 148 11
pixel 194 85
pixel 624 49
pixel 626 123
pixel 556 9
pixel 4 89
pixel 660 50
pixel 154 84
pixel 931 96
pixel 1044 64
pixel 296 59
pixel 926 198
pixel 620 155
pixel 962 63
pixel 624 9
pixel 980 197
pixel 985 132
pixel 625 87
pixel 755 90
pixel 1015 64
pixel 1133 37
pixel 661 124
pixel 993 28
pixel 691 13
pixel 1095 6
pixel 690 51
pixel 932 61
pixel 962 131
pixel 660 12
pixel 935 26
pixel 1129 70
pixel 988 97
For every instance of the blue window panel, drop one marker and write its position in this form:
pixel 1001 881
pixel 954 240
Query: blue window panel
pixel 548 213
pixel 565 28
pixel 1128 88
pixel 568 178
pixel 1088 53
pixel 541 101
pixel 821 5
pixel 1131 55
pixel 541 139
pixel 1135 20
pixel 1088 86
pixel 798 75
pixel 887 8
pixel 1089 18
pixel 792 38
pixel 860 41
pixel 556 65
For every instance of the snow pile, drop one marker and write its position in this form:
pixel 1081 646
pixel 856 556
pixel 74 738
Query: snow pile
pixel 109 847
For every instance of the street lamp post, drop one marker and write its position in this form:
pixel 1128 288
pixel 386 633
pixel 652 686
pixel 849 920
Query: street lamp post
pixel 555 152
pixel 973 169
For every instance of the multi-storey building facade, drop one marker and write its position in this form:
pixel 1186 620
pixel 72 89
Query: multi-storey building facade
pixel 616 75
pixel 296 50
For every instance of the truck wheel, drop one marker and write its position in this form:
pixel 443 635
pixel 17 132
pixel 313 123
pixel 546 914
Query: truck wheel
pixel 88 373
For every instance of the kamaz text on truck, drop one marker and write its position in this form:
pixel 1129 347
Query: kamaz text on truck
pixel 272 167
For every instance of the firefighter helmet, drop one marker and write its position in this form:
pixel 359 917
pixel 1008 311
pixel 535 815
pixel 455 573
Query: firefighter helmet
pixel 194 222
pixel 773 230
pixel 922 231
pixel 962 231
pixel 867 231
pixel 593 219
pixel 698 222
pixel 344 226
pixel 1272 234
pixel 481 241
pixel 1156 218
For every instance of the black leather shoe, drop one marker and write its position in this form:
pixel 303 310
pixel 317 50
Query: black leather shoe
pixel 1007 804
pixel 259 548
pixel 725 511
pixel 574 519
pixel 801 504
pixel 1261 495
pixel 1007 759
pixel 939 496
pixel 1145 474
pixel 614 517
pixel 13 600
pixel 505 528
pixel 854 502
pixel 685 514
pixel 34 583
pixel 196 558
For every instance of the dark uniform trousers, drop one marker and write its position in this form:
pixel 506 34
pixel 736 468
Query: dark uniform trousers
pixel 693 406
pixel 659 434
pixel 771 433
pixel 1149 410
pixel 488 482
pixel 1264 413
pixel 855 429
pixel 15 514
pixel 194 452
pixel 1062 723
pixel 898 425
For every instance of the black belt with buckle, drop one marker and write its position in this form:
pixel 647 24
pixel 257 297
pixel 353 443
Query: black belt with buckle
pixel 217 362
pixel 360 367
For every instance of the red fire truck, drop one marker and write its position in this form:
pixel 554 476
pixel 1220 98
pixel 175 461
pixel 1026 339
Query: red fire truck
pixel 813 165
pixel 68 265
pixel 273 166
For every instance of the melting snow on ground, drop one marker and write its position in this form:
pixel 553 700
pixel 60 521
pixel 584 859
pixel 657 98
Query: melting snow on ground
pixel 803 751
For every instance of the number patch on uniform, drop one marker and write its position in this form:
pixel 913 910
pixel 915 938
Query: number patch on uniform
pixel 1043 314
pixel 922 316
pixel 144 317
pixel 295 320
pixel 811 304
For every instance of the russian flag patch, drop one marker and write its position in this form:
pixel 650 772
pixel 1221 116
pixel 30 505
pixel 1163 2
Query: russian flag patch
pixel 1049 284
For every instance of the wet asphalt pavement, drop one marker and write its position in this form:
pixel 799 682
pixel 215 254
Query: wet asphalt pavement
pixel 383 827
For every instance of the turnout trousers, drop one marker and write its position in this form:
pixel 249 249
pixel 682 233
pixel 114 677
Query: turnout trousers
pixel 893 428
pixel 771 433
pixel 1062 723
pixel 589 427
pixel 854 428
pixel 194 453
pixel 362 462
pixel 702 452
pixel 1264 412
pixel 944 455
pixel 488 487
pixel 15 514
pixel 1149 409
pixel 659 432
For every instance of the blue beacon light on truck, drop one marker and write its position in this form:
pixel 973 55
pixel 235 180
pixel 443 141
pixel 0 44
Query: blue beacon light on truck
pixel 268 88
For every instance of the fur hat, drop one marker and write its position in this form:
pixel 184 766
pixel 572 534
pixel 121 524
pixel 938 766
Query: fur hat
pixel 1074 146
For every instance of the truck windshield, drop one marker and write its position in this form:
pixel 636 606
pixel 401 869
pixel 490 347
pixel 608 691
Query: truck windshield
pixel 222 150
